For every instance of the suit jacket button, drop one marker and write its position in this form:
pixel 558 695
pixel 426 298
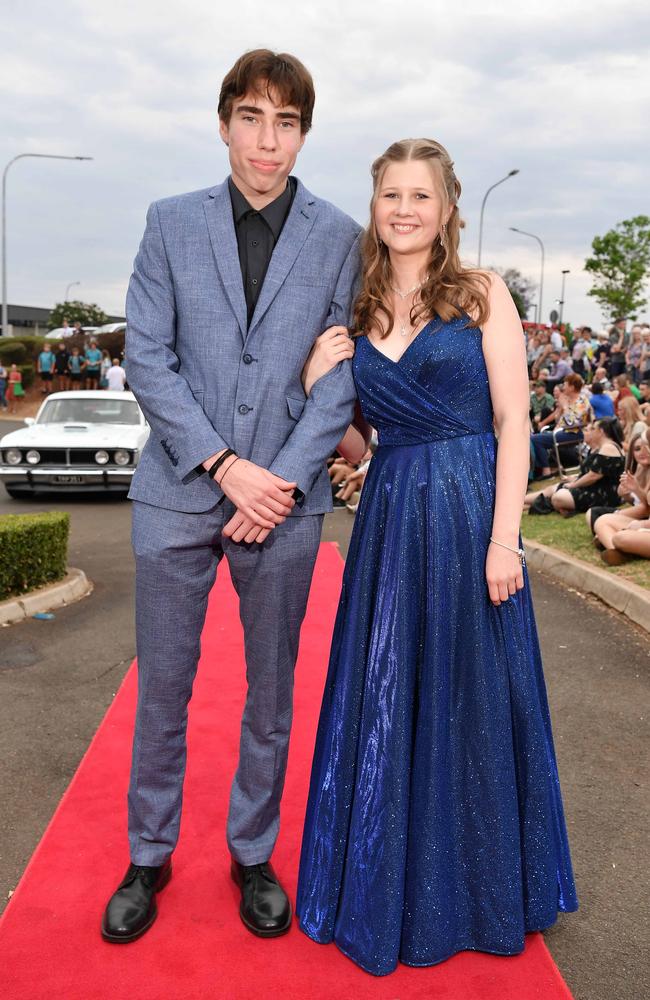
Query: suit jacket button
pixel 243 409
pixel 247 359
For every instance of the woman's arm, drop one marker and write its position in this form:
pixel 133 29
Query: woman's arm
pixel 356 439
pixel 505 359
pixel 552 418
pixel 587 479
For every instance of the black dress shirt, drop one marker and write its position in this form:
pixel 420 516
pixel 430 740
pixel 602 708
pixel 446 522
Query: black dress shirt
pixel 257 235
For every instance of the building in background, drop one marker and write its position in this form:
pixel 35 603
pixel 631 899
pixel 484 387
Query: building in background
pixel 33 319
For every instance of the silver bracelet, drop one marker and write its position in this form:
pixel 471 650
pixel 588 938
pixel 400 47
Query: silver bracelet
pixel 517 552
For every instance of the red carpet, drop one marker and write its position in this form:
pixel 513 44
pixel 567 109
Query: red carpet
pixel 50 945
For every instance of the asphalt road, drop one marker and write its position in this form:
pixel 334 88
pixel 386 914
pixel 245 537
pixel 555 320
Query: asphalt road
pixel 57 678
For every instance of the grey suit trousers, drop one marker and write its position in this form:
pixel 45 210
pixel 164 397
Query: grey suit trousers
pixel 177 555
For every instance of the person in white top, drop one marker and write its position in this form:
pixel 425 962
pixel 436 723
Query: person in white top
pixel 116 376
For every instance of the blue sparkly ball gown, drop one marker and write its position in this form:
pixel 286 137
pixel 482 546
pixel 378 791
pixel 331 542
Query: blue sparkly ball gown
pixel 434 821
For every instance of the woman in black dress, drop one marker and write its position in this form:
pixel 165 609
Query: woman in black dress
pixel 602 469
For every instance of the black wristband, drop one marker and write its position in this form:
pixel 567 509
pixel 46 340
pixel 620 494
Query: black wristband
pixel 214 468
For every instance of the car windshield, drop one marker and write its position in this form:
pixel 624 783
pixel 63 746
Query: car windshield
pixel 90 411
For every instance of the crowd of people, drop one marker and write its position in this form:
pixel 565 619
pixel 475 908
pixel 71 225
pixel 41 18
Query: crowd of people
pixel 62 369
pixel 589 413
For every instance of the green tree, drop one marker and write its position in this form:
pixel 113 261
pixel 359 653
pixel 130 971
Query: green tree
pixel 87 313
pixel 620 266
pixel 521 288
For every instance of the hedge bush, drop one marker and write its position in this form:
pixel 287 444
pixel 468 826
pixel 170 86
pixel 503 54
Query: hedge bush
pixel 33 550
pixel 12 352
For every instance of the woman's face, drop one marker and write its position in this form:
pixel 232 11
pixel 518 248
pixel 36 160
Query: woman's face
pixel 592 435
pixel 642 453
pixel 408 211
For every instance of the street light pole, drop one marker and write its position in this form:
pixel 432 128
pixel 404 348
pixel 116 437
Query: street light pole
pixel 21 156
pixel 67 291
pixel 523 232
pixel 480 225
pixel 564 274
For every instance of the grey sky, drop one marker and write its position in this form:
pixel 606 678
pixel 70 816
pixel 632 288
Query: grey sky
pixel 557 89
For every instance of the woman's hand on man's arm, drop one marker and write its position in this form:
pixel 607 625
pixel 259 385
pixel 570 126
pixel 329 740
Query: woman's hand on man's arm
pixel 332 347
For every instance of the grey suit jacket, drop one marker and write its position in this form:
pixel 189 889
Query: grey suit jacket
pixel 206 382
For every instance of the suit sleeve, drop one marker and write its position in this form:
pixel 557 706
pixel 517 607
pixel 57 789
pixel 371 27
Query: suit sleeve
pixel 153 366
pixel 329 407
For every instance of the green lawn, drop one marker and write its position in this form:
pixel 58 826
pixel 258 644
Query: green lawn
pixel 572 535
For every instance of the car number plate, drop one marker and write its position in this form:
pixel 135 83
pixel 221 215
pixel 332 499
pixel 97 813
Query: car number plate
pixel 68 479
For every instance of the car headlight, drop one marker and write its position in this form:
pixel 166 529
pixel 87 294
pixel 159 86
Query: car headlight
pixel 101 457
pixel 14 456
pixel 33 457
pixel 121 457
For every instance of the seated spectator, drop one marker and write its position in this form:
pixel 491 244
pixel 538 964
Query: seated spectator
pixel 634 540
pixel 644 403
pixel 351 489
pixel 622 390
pixel 634 488
pixel 601 466
pixel 574 413
pixel 602 469
pixel 601 404
pixel 539 501
pixel 632 419
pixel 560 368
pixel 600 375
pixel 542 404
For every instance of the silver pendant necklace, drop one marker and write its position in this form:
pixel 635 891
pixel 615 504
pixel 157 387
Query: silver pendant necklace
pixel 409 291
pixel 404 332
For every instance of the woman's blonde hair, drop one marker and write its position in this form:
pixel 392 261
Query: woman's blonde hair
pixel 449 289
pixel 629 412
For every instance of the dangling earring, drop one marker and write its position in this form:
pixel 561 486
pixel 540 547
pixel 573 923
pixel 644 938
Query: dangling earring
pixel 443 238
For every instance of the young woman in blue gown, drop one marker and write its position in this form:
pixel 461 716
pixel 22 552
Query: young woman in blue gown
pixel 434 822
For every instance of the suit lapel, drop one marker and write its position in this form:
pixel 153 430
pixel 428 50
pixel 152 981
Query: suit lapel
pixel 221 227
pixel 296 229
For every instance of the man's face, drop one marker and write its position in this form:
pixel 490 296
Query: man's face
pixel 540 390
pixel 263 140
pixel 645 391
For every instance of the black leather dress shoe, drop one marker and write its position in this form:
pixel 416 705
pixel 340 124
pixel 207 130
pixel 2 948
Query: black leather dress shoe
pixel 132 908
pixel 265 908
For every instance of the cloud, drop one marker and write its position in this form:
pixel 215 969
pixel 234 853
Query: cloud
pixel 555 89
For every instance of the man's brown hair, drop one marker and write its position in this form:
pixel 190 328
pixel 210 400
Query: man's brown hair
pixel 276 75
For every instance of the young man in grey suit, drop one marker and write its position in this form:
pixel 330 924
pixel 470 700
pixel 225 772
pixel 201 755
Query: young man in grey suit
pixel 231 286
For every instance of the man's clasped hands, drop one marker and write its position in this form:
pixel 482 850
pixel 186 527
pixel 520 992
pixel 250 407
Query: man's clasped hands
pixel 264 500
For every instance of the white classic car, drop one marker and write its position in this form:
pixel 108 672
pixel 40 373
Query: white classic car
pixel 79 442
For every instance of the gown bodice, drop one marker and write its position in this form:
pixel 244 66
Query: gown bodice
pixel 437 390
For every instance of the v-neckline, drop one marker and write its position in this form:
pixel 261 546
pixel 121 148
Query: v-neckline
pixel 406 350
